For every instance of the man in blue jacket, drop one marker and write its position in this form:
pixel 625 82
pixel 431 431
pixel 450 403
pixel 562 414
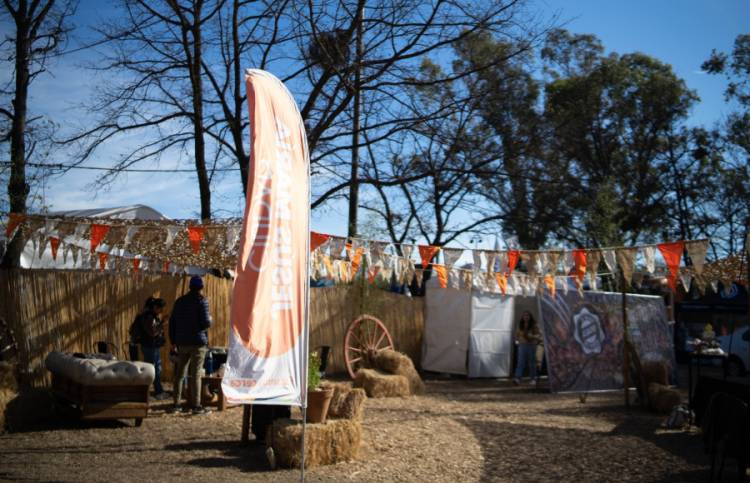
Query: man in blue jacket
pixel 188 332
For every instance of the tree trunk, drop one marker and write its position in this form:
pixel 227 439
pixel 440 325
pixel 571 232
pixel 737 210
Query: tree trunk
pixel 354 185
pixel 18 189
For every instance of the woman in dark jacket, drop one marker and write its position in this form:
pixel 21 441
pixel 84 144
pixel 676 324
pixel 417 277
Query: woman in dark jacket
pixel 528 337
pixel 151 335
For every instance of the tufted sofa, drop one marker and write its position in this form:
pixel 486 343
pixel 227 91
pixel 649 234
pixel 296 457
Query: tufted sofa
pixel 102 388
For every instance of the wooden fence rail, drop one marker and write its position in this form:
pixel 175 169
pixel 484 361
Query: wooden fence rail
pixel 70 310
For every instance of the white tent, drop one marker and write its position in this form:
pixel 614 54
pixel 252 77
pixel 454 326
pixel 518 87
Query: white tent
pixel 467 332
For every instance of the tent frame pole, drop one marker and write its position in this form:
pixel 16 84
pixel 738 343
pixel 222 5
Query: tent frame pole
pixel 302 458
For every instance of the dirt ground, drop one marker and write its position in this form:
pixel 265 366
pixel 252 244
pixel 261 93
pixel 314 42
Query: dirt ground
pixel 459 431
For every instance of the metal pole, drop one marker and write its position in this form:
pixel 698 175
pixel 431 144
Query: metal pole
pixel 354 185
pixel 625 355
pixel 304 427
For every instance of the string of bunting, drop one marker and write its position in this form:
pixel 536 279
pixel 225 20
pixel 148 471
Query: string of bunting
pixel 167 245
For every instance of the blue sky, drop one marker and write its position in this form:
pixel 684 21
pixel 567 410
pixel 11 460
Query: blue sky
pixel 679 32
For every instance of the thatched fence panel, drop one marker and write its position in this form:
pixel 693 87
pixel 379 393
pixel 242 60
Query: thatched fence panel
pixel 72 310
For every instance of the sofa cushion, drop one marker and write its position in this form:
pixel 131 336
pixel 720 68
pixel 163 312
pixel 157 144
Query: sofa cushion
pixel 100 372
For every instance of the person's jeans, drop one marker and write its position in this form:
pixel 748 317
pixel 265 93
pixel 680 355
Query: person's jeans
pixel 152 356
pixel 526 358
pixel 189 357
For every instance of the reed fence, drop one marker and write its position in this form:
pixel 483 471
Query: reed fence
pixel 71 310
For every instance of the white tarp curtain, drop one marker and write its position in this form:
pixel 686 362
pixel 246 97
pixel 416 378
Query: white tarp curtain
pixel 491 339
pixel 467 332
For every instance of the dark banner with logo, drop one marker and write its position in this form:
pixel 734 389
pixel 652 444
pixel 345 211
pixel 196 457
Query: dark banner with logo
pixel 583 337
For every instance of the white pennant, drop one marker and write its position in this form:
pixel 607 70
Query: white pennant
pixel 407 250
pixel 477 255
pixel 454 279
pixel 172 232
pixel 648 255
pixel 451 256
pixel 233 235
pixel 129 235
pixel 610 259
pixel 567 262
pixel 686 279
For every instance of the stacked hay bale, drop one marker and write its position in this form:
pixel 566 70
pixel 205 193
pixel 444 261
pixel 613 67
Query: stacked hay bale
pixel 338 439
pixel 399 364
pixel 8 390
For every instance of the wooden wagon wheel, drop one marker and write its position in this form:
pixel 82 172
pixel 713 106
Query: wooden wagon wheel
pixel 365 337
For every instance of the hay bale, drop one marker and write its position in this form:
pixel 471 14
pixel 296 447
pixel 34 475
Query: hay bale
pixel 654 372
pixel 662 398
pixel 346 403
pixel 400 364
pixel 340 390
pixel 377 384
pixel 8 390
pixel 327 443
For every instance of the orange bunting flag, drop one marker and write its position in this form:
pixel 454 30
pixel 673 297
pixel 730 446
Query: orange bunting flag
pixel 549 281
pixel 103 260
pixel 54 243
pixel 98 232
pixel 579 259
pixel 372 273
pixel 165 266
pixel 317 239
pixel 672 252
pixel 426 253
pixel 14 220
pixel 356 261
pixel 195 235
pixel 442 273
pixel 513 257
pixel 348 247
pixel 502 282
pixel 136 264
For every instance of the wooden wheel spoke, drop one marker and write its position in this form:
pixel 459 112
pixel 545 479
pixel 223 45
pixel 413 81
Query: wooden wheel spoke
pixel 382 336
pixel 354 349
pixel 352 361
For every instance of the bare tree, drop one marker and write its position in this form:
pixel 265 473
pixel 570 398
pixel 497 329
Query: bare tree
pixel 39 31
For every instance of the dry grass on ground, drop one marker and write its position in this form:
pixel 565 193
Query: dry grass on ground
pixel 458 431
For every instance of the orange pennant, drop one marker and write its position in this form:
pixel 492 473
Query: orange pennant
pixel 513 257
pixel 54 243
pixel 372 273
pixel 502 282
pixel 348 247
pixel 102 260
pixel 549 281
pixel 442 273
pixel 426 253
pixel 672 252
pixel 195 235
pixel 136 264
pixel 14 220
pixel 317 239
pixel 356 262
pixel 329 265
pixel 165 266
pixel 98 232
pixel 579 259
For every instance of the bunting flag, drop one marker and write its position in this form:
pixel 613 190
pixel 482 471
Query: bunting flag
pixel 477 257
pixel 195 236
pixel 531 261
pixel 165 266
pixel 418 276
pixel 566 260
pixel 649 258
pixel 513 257
pixel 502 282
pixel 129 236
pixel 467 280
pixel 451 256
pixel 172 232
pixel 672 252
pixel 329 266
pixel 593 258
pixel 454 278
pixel 136 264
pixel 102 260
pixel 268 346
pixel 406 250
pixel 549 281
pixel 626 261
pixel 348 248
pixel 54 244
pixel 317 239
pixel 337 246
pixel 356 261
pixel 442 274
pixel 552 262
pixel 14 221
pixel 426 253
pixel 685 279
pixel 98 232
pixel 697 251
pixel 233 236
pixel 610 259
pixel 579 261
pixel 377 250
pixel 372 273
pixel 491 261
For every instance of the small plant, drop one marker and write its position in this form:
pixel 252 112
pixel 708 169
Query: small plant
pixel 313 371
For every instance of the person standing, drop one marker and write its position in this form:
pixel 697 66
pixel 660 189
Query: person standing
pixel 151 330
pixel 527 338
pixel 188 333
